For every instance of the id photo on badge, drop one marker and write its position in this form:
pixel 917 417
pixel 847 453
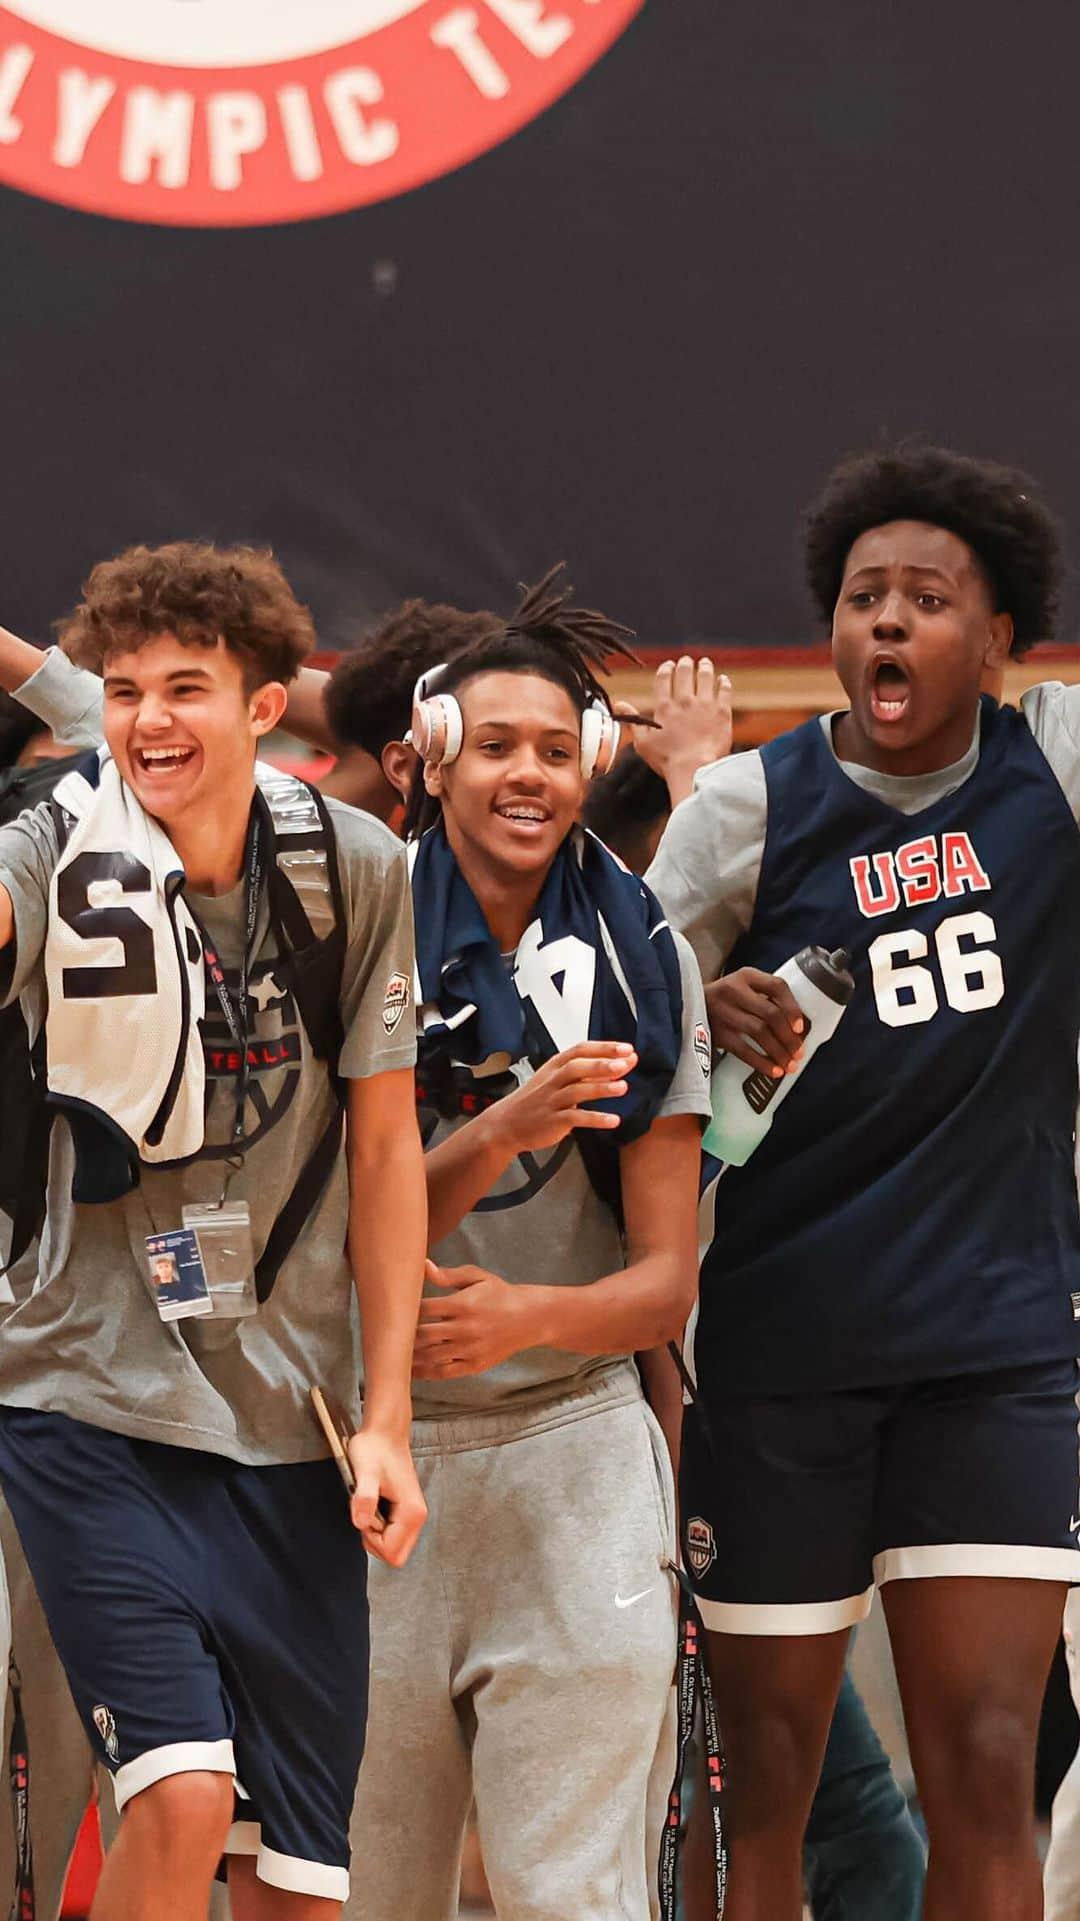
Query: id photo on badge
pixel 177 1280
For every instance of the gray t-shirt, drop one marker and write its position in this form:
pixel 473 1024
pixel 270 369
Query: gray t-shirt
pixel 88 1341
pixel 544 1223
pixel 708 864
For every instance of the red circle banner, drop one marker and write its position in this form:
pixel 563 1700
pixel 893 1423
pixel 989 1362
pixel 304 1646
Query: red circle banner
pixel 246 112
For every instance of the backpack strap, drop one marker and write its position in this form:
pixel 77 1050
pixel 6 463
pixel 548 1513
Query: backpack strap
pixel 29 1216
pixel 307 907
pixel 305 855
pixel 301 1204
pixel 307 913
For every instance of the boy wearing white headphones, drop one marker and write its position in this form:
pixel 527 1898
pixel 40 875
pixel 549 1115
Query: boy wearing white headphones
pixel 525 1658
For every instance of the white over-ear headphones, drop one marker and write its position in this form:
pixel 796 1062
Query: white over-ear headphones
pixel 438 730
pixel 600 732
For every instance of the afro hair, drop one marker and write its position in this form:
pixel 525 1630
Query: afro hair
pixel 994 509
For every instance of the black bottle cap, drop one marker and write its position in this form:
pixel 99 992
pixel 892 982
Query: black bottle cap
pixel 830 973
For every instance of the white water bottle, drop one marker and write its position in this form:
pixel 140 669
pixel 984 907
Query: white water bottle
pixel 745 1099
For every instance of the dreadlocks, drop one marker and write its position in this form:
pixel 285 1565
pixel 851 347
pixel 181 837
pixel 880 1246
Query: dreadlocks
pixel 543 630
pixel 544 635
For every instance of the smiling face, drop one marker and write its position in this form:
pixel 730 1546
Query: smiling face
pixel 514 792
pixel 915 631
pixel 183 730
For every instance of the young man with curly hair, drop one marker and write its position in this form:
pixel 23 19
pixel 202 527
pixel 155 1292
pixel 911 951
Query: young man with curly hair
pixel 886 1350
pixel 185 1528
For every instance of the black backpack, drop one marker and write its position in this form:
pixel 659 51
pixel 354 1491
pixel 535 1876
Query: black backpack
pixel 23 1116
pixel 307 916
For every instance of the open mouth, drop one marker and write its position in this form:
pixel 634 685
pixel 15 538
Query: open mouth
pixel 158 761
pixel 890 691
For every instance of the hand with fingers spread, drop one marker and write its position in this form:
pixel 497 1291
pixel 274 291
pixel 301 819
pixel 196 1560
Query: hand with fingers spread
pixel 692 711
pixel 476 1322
pixel 542 1112
pixel 383 1471
pixel 756 1017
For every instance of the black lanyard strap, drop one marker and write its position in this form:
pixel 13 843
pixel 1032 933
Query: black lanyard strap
pixel 238 1015
pixel 24 1906
pixel 692 1685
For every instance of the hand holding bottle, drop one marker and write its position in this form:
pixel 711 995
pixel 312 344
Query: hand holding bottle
pixel 753 1014
pixel 773 1024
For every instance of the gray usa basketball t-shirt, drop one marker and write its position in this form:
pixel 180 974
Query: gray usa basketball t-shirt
pixel 88 1341
pixel 543 1222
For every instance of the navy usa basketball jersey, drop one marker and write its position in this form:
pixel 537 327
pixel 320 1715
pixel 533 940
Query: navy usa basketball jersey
pixel 913 1211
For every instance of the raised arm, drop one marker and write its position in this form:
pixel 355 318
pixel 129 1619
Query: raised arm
pixel 69 699
pixel 692 711
pixel 705 873
pixel 18 660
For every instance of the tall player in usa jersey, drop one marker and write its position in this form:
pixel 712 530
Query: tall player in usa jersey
pixel 888 1327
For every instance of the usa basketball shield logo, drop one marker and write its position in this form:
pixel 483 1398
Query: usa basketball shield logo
pixel 244 112
pixel 106 1727
pixel 700 1546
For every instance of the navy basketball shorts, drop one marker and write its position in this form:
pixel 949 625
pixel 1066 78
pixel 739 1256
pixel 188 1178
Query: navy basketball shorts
pixel 210 1617
pixel 795 1506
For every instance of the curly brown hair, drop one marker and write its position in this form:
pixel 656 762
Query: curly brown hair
pixel 200 593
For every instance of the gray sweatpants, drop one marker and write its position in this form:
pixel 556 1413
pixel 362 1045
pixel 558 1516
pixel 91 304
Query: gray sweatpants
pixel 525 1657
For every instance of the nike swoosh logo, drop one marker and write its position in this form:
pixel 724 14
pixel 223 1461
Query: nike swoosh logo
pixel 631 1598
pixel 1074 1526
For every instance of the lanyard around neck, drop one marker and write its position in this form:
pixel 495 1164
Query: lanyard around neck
pixel 237 1013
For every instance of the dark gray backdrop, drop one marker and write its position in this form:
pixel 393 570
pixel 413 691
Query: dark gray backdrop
pixel 754 236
